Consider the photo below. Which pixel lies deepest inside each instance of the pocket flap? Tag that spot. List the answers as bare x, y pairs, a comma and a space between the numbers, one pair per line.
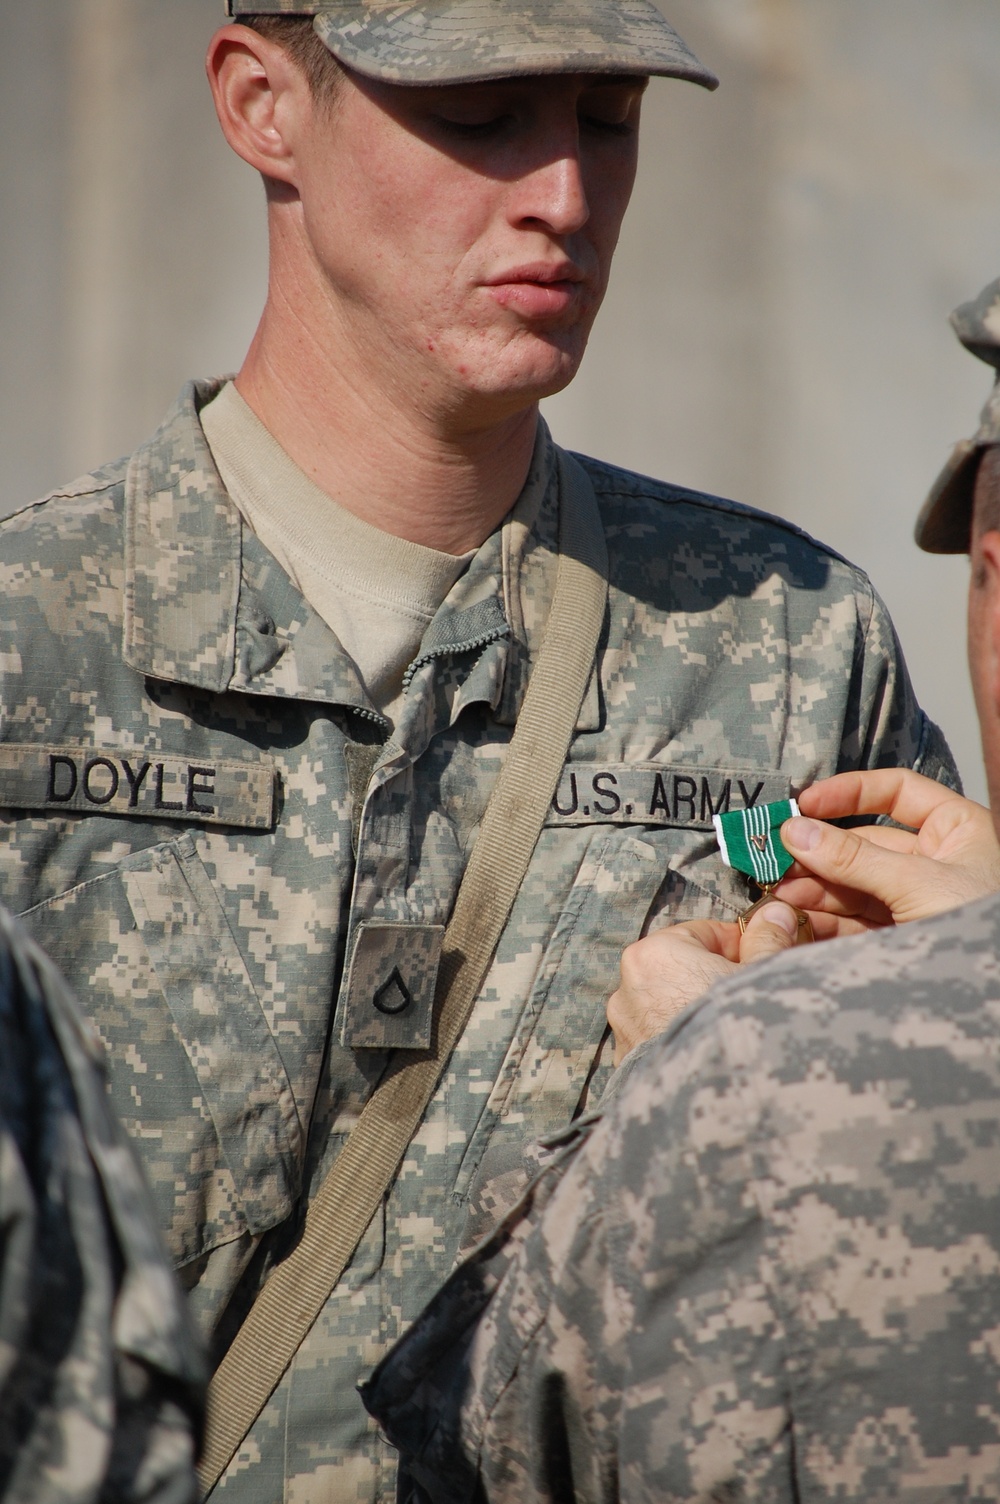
219, 1018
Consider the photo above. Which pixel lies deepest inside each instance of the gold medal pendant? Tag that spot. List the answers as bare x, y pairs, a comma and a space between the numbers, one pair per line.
804, 933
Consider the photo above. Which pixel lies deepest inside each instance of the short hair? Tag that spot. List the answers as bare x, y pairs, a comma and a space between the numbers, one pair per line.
297, 36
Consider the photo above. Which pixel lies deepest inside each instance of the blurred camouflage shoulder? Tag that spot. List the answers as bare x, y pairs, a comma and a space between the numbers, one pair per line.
101, 1379
769, 1273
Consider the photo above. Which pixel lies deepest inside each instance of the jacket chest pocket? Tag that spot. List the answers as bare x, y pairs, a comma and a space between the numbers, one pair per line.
196, 1076
630, 879
558, 1055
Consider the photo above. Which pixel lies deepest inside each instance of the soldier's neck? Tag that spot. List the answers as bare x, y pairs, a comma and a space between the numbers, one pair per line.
367, 445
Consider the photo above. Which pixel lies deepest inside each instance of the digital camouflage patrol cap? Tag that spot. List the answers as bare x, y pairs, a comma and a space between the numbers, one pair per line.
945, 522
464, 41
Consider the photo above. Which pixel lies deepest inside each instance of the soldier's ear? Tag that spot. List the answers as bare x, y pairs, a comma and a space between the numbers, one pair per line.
261, 98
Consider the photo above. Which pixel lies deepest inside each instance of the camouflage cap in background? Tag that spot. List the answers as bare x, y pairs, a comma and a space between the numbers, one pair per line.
945, 520
464, 41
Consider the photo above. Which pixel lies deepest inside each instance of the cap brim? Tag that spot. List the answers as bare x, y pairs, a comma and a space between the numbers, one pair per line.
465, 41
945, 522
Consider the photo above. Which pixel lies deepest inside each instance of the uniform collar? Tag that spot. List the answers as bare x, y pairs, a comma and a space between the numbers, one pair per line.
206, 604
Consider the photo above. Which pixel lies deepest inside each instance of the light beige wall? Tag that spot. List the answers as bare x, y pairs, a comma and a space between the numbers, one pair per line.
776, 330
131, 241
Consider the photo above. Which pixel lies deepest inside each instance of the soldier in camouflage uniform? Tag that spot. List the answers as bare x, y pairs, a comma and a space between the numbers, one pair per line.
240, 853
100, 1377
772, 1271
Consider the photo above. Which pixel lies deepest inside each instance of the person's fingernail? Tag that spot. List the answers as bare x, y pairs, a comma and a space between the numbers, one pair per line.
802, 834
781, 915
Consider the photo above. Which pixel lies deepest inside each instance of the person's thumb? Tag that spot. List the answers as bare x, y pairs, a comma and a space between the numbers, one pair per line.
840, 857
771, 930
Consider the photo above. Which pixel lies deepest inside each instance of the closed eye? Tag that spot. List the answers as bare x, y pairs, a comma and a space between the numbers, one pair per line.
608, 127
473, 130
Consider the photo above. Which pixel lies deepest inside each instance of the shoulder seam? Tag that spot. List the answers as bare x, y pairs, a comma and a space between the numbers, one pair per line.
64, 493
666, 492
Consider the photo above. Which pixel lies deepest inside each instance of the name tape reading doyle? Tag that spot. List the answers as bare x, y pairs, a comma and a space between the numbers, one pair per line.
144, 785
650, 793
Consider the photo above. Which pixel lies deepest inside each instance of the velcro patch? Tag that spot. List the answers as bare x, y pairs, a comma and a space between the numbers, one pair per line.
144, 785
656, 793
388, 1002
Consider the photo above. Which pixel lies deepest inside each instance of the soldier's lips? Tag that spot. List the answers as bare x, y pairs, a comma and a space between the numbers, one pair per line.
538, 292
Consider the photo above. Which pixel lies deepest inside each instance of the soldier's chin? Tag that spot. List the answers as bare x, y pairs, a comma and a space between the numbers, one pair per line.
544, 364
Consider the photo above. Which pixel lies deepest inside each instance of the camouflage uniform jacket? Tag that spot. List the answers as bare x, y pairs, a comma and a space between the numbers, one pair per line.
209, 832
771, 1273
101, 1380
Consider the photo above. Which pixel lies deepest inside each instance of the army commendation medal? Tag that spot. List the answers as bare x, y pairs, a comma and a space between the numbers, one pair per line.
750, 842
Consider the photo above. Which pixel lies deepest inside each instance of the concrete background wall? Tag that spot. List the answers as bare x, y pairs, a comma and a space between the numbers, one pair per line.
776, 330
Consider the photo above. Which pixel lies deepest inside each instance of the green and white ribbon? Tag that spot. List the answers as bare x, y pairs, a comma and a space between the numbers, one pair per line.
749, 840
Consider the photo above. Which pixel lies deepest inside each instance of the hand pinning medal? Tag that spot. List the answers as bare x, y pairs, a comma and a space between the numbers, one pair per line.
750, 842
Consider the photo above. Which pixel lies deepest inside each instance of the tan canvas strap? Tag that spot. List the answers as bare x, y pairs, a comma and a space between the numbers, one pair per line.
352, 1192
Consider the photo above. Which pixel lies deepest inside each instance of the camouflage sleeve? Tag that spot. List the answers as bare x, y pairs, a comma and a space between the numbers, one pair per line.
885, 726
100, 1377
770, 1273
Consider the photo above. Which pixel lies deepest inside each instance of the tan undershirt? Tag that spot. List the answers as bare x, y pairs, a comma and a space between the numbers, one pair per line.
376, 592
